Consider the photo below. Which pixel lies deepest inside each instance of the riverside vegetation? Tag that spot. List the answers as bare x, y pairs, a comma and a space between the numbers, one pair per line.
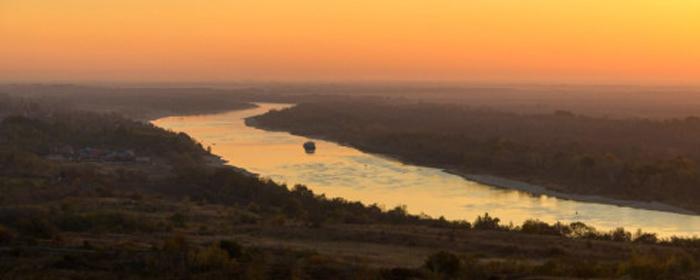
177, 215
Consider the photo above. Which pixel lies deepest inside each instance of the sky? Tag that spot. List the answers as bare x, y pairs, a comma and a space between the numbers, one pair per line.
619, 41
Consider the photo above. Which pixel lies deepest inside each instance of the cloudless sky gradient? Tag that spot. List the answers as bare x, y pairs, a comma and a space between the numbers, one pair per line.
475, 40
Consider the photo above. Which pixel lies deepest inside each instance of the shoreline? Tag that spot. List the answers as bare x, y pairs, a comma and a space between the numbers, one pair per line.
150, 116
216, 161
536, 190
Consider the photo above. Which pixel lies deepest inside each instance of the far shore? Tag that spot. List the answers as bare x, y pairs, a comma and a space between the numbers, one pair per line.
536, 190
152, 115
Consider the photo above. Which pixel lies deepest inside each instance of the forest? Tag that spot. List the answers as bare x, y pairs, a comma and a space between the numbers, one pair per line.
135, 103
634, 159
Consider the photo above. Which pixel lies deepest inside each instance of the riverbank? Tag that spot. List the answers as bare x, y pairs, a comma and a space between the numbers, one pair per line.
217, 161
536, 190
152, 115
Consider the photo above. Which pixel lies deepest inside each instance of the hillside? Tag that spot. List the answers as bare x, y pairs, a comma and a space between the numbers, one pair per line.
88, 195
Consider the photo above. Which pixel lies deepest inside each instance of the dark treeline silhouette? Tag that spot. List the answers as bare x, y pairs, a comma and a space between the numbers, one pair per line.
651, 160
139, 103
146, 101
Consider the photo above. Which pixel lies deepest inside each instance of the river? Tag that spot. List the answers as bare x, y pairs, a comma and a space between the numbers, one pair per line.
341, 171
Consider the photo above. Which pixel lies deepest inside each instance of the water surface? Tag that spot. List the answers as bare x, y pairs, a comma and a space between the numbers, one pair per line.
340, 171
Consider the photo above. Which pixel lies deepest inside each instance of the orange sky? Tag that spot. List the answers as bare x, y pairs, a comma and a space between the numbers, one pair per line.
475, 40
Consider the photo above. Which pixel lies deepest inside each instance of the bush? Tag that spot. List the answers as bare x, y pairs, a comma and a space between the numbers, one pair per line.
233, 249
620, 235
401, 274
36, 227
29, 222
76, 223
178, 220
443, 263
212, 258
176, 245
104, 221
650, 266
539, 227
581, 230
6, 236
692, 242
645, 237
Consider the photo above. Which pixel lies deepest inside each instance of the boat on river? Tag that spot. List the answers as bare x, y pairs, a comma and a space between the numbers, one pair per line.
310, 147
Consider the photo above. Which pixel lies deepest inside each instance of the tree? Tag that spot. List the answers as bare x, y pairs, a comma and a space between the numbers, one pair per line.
486, 222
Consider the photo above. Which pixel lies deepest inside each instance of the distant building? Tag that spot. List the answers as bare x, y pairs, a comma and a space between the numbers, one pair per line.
94, 154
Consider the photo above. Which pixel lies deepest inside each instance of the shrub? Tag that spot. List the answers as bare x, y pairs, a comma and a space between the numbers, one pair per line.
620, 235
233, 249
581, 230
176, 244
645, 237
104, 221
212, 258
28, 222
443, 263
322, 267
178, 220
401, 273
539, 227
6, 236
36, 227
72, 222
245, 217
651, 266
692, 242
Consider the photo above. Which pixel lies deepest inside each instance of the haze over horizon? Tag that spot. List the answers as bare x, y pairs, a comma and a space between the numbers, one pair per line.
631, 42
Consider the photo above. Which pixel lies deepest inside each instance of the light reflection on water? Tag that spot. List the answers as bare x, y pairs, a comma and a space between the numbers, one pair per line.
340, 171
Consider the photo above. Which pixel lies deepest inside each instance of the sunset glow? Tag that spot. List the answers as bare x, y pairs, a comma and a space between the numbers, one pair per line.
482, 40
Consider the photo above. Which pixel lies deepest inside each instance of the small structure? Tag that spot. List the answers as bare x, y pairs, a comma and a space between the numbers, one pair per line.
310, 147
119, 155
94, 154
62, 153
